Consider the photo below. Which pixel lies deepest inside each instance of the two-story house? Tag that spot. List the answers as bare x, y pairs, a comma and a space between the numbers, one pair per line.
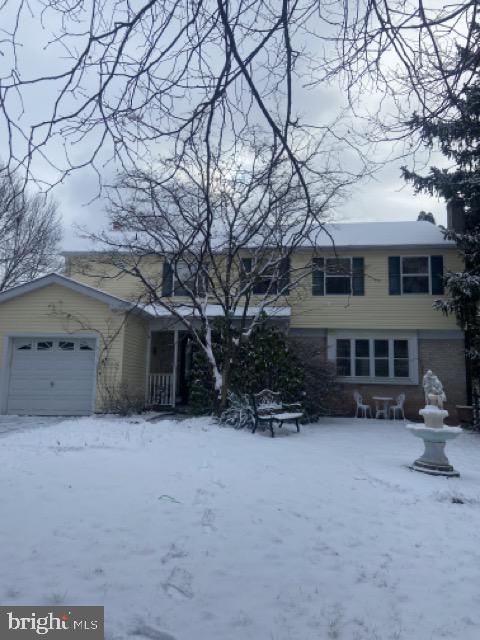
67, 341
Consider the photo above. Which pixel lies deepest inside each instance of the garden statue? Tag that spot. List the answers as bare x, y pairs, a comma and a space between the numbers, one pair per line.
434, 433
433, 389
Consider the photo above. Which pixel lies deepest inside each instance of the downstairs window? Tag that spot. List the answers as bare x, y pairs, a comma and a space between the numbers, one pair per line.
372, 359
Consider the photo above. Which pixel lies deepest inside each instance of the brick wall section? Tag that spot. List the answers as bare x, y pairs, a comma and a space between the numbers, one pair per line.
444, 357
413, 401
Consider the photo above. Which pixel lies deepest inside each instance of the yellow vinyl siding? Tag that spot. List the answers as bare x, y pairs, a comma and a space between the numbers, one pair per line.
376, 309
56, 309
98, 273
135, 355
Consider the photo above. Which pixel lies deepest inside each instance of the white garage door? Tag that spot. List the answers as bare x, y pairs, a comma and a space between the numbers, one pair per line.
51, 376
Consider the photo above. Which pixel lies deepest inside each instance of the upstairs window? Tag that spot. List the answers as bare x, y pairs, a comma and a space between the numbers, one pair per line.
338, 276
182, 278
271, 280
415, 275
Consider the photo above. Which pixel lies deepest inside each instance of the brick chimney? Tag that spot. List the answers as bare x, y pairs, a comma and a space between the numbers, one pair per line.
455, 216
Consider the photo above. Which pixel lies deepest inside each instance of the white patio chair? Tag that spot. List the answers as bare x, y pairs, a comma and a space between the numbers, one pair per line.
398, 407
363, 409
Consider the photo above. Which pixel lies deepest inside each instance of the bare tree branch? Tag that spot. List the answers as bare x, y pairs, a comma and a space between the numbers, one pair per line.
29, 234
226, 228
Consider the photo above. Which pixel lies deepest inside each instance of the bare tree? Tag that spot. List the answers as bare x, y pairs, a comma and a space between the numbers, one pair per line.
226, 227
409, 49
115, 80
29, 234
130, 76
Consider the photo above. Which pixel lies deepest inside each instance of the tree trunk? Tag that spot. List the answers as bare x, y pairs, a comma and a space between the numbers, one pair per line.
228, 351
226, 378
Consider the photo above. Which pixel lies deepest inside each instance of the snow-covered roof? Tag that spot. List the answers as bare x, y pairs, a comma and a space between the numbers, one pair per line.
408, 233
215, 311
381, 234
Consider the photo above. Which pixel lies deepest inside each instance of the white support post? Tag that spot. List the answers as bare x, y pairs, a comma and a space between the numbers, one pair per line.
175, 367
147, 372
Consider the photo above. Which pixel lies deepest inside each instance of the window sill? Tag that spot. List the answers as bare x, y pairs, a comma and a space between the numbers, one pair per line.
369, 380
332, 295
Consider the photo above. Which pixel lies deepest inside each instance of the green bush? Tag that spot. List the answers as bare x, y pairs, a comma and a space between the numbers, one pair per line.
264, 361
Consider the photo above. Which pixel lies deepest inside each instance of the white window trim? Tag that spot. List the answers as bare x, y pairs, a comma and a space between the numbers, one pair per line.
428, 274
270, 273
326, 276
271, 276
181, 282
412, 339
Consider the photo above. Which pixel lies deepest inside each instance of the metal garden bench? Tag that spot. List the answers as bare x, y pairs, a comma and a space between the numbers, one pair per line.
269, 410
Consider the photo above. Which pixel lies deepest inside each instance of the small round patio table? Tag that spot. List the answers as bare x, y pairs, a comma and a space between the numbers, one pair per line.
379, 410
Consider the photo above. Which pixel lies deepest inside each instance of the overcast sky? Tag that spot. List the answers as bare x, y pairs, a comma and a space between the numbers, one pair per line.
385, 197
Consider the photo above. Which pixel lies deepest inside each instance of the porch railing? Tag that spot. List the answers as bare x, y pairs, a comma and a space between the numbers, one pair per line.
160, 389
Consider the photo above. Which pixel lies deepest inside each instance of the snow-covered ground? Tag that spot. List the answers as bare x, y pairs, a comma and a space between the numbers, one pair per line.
187, 530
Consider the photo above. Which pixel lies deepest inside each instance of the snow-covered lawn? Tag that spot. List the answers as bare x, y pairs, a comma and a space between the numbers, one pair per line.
190, 531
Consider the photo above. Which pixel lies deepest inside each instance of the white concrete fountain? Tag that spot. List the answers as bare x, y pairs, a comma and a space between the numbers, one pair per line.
434, 433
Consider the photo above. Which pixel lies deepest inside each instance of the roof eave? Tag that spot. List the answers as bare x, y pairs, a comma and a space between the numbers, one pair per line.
378, 247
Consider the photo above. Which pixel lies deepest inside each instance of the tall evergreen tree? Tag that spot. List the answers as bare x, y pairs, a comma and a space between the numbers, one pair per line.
459, 140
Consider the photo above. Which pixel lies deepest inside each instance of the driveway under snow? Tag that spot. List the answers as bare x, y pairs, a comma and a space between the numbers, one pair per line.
12, 424
190, 531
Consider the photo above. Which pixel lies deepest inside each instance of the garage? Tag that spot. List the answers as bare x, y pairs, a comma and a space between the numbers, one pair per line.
51, 376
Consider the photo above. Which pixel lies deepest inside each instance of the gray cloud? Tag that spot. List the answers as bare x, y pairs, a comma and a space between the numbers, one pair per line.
384, 198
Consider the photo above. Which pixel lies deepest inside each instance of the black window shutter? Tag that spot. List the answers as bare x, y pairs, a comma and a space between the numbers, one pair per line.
167, 279
246, 265
394, 284
436, 270
284, 276
318, 277
358, 276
